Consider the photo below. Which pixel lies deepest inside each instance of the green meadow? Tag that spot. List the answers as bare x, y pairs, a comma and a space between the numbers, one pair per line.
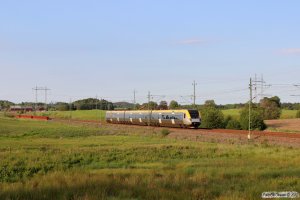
51, 160
76, 114
285, 114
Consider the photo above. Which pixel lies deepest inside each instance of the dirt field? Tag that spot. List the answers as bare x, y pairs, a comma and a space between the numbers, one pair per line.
239, 137
284, 124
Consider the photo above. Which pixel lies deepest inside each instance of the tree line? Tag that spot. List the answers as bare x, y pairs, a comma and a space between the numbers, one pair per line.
84, 104
268, 108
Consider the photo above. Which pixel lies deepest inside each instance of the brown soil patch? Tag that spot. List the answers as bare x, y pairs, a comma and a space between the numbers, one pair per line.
284, 124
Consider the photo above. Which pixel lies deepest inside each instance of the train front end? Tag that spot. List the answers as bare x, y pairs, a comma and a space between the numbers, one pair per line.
195, 119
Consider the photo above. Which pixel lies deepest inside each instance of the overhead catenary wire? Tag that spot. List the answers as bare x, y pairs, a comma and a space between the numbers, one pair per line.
239, 94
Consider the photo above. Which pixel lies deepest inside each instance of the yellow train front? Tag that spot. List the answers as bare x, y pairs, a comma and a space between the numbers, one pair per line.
166, 118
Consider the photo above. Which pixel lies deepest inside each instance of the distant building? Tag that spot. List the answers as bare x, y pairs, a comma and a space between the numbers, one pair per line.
21, 108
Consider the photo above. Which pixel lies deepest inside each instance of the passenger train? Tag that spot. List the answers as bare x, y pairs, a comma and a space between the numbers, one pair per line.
167, 118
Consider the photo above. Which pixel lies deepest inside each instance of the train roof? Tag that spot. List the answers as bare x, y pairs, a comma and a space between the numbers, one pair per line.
155, 111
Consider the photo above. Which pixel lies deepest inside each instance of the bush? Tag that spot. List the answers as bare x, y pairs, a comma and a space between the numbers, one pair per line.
227, 119
212, 117
10, 115
298, 114
165, 132
257, 119
233, 124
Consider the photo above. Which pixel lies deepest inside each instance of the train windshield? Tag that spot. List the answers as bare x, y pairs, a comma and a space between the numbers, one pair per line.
194, 114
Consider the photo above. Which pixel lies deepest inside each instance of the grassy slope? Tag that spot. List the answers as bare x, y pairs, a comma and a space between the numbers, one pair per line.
42, 160
288, 114
235, 113
77, 114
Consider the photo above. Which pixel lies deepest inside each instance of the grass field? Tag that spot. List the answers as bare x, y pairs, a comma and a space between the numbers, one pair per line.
286, 114
76, 114
50, 160
235, 113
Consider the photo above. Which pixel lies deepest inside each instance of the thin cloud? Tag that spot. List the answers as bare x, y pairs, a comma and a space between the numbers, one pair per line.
191, 41
290, 51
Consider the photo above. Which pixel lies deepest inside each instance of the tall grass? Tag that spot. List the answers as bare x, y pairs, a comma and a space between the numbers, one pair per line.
46, 160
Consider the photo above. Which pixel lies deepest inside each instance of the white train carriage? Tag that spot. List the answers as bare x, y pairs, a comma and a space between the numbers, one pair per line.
167, 118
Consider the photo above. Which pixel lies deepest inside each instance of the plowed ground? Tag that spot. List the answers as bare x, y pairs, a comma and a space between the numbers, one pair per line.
284, 124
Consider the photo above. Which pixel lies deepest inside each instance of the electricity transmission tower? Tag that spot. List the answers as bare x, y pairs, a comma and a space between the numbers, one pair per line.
194, 95
134, 101
250, 106
36, 89
259, 83
149, 97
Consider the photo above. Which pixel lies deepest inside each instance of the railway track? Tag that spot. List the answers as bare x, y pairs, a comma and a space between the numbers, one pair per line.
254, 134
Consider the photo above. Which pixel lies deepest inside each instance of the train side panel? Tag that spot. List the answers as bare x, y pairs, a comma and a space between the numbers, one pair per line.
166, 118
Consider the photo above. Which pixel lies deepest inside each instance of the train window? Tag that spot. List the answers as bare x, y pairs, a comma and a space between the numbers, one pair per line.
194, 114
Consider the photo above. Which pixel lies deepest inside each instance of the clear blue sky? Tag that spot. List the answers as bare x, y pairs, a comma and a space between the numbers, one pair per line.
108, 48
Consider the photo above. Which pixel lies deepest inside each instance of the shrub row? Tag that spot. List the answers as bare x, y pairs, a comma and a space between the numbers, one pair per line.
212, 117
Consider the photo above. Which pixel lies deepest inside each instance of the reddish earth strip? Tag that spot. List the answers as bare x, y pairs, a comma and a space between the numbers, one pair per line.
32, 117
284, 124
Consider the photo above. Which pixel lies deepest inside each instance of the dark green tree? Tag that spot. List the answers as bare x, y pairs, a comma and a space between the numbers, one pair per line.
212, 117
163, 105
257, 118
5, 104
173, 105
61, 106
272, 107
210, 103
233, 124
92, 103
152, 106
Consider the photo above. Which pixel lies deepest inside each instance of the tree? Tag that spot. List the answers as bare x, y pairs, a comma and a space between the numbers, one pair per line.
61, 106
233, 124
92, 103
152, 106
276, 100
210, 103
257, 119
137, 106
5, 104
212, 117
271, 107
163, 105
173, 105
